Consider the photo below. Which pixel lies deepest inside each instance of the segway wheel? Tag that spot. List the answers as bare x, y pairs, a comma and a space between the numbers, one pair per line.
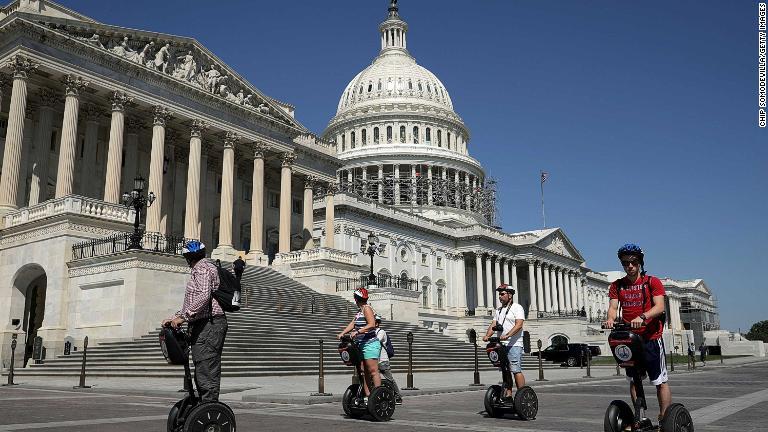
381, 403
526, 403
173, 417
492, 399
348, 402
618, 416
677, 419
210, 417
389, 385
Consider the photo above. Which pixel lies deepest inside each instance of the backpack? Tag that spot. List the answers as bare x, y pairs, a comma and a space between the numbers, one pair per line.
228, 293
646, 288
388, 347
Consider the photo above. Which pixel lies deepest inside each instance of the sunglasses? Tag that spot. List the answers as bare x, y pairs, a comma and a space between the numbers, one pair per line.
627, 263
501, 293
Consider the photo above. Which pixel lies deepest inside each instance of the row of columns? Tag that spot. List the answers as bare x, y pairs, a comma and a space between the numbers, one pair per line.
9, 181
557, 289
486, 278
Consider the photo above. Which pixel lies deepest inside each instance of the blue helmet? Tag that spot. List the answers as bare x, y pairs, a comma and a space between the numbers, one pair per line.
193, 247
631, 249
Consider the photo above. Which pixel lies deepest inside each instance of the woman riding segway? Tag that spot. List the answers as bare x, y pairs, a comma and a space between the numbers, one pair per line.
361, 332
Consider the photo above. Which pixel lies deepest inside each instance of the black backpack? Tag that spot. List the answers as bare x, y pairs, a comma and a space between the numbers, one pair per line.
228, 293
388, 347
662, 319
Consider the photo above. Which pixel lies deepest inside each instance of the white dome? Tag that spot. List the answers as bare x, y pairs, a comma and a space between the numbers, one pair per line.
394, 76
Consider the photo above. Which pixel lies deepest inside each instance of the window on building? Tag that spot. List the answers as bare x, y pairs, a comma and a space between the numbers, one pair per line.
274, 200
439, 297
448, 138
370, 87
364, 136
410, 85
425, 295
439, 138
402, 134
296, 206
428, 135
375, 135
378, 87
424, 259
343, 142
389, 134
415, 134
439, 262
352, 139
420, 87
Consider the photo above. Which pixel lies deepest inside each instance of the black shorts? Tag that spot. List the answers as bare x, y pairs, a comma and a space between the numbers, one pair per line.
655, 363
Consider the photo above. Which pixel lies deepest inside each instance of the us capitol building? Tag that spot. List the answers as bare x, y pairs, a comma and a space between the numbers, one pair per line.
88, 107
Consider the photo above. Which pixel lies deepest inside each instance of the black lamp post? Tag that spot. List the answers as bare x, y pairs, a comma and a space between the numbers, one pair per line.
373, 248
137, 199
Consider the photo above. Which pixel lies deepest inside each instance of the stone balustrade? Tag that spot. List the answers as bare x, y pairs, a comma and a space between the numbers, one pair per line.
322, 253
71, 204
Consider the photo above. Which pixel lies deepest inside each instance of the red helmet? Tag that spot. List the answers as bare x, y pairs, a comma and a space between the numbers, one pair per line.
361, 293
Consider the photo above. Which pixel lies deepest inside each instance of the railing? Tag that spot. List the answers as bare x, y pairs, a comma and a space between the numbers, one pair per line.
382, 281
317, 254
71, 204
562, 314
121, 242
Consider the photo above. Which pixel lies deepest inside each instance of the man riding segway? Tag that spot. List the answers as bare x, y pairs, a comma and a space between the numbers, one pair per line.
636, 341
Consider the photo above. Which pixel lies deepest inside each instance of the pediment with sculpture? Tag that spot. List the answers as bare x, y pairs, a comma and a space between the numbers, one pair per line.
558, 243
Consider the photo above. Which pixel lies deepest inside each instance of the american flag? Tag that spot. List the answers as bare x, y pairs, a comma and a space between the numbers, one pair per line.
544, 176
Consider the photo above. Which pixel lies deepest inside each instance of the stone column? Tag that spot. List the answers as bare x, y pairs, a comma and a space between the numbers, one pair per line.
115, 154
505, 271
457, 200
552, 288
180, 160
430, 198
468, 198
257, 203
574, 291
64, 175
513, 282
9, 181
227, 194
497, 272
397, 184
381, 183
545, 269
461, 284
541, 302
192, 216
88, 172
565, 277
329, 216
560, 289
309, 217
154, 213
284, 230
444, 179
204, 211
479, 280
489, 283
38, 189
132, 126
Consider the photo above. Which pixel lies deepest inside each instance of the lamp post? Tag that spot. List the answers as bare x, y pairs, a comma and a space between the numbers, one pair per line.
373, 248
138, 201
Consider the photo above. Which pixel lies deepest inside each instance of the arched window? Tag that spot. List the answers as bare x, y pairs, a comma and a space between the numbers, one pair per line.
420, 87
389, 134
410, 85
439, 138
364, 137
376, 135
428, 135
378, 87
449, 140
370, 87
439, 297
352, 139
390, 84
343, 142
402, 134
415, 134
399, 84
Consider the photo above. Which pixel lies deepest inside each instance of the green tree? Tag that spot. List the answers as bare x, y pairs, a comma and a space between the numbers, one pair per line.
759, 331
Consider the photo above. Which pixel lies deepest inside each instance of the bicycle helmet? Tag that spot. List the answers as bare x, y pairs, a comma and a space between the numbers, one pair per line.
631, 249
193, 250
361, 293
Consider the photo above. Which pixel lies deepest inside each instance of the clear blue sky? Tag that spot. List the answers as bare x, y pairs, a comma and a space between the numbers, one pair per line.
643, 113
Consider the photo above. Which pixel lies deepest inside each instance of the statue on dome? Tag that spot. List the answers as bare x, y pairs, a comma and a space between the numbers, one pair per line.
185, 67
143, 57
123, 50
162, 57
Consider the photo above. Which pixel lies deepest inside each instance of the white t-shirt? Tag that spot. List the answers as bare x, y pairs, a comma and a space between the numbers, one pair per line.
506, 316
382, 335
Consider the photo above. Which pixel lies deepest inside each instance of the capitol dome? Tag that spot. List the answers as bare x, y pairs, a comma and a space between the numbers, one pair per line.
401, 140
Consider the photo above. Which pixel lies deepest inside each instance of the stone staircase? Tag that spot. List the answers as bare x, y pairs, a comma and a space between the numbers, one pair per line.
276, 333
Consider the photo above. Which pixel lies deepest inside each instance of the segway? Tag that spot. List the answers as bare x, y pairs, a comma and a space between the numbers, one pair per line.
192, 414
628, 351
381, 402
525, 403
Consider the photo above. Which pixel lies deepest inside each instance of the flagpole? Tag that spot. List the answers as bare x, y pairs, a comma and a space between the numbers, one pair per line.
543, 215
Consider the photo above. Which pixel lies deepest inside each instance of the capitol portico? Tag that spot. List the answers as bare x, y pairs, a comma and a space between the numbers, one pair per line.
86, 108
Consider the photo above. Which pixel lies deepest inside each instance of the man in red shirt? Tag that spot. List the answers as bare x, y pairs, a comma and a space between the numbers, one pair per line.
642, 306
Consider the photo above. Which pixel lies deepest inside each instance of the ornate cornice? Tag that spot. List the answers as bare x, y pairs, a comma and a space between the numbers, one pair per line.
120, 100
259, 150
73, 84
310, 182
197, 128
21, 66
287, 159
161, 115
230, 140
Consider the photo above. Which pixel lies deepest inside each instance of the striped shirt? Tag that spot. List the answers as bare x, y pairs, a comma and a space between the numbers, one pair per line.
197, 296
361, 322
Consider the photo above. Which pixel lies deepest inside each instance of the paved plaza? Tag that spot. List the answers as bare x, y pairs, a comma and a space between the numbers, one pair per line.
732, 397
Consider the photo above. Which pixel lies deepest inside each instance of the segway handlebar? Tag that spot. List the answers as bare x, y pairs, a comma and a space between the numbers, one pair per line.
617, 326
